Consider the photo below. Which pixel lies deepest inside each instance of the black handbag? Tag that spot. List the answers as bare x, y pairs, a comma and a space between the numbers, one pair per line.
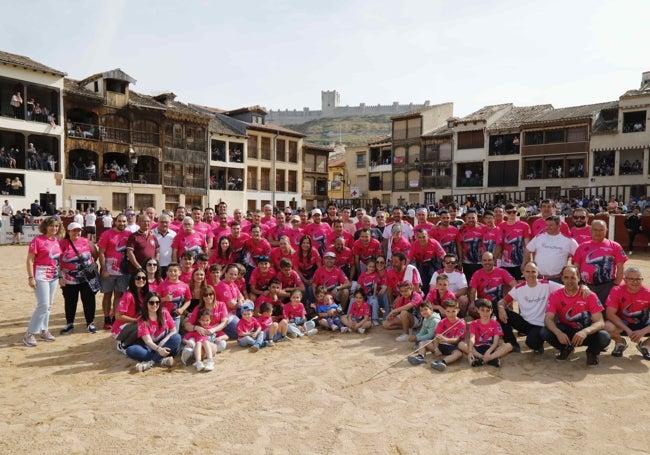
89, 272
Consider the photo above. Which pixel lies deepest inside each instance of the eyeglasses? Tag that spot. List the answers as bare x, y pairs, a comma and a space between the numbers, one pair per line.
633, 279
579, 217
152, 264
154, 302
510, 212
140, 278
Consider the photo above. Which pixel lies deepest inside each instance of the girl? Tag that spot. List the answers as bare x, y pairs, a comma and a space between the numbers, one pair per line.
370, 283
125, 327
223, 253
197, 288
358, 317
305, 261
219, 321
42, 275
227, 291
294, 312
382, 288
284, 250
201, 343
158, 338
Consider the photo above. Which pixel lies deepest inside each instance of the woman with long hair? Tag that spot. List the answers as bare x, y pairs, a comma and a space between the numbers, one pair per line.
284, 250
197, 288
223, 253
125, 327
227, 291
77, 252
152, 269
305, 261
158, 339
42, 275
218, 323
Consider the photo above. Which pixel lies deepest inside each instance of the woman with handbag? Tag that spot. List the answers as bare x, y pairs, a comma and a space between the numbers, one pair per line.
78, 277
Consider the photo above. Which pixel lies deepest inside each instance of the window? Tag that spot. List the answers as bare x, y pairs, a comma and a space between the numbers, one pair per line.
631, 162
504, 144
252, 147
119, 201
503, 173
293, 181
177, 139
399, 130
552, 136
279, 180
293, 152
114, 128
173, 174
399, 182
309, 164
142, 201
251, 178
280, 150
265, 179
470, 139
470, 174
576, 134
12, 184
308, 186
634, 122
375, 183
361, 160
266, 148
195, 176
414, 128
603, 163
218, 150
193, 200
146, 132
321, 163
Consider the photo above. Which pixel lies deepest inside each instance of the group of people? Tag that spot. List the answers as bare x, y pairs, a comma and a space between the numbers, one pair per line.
185, 282
34, 111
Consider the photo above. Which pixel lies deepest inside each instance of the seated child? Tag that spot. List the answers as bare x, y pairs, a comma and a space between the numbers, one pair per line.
201, 342
294, 313
249, 330
424, 338
329, 313
406, 314
485, 338
375, 288
358, 317
450, 336
273, 331
440, 293
271, 296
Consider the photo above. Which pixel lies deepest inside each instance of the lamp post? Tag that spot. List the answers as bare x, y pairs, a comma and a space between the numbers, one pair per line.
133, 161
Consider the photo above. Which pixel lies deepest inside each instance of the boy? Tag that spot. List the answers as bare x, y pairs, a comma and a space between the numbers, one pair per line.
294, 313
450, 334
271, 297
406, 314
440, 293
485, 334
426, 334
249, 330
273, 331
329, 313
175, 294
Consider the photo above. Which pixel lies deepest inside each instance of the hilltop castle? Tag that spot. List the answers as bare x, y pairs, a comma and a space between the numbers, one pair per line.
331, 107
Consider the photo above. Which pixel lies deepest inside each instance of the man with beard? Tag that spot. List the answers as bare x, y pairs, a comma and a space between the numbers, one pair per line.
114, 282
426, 255
201, 227
188, 240
516, 235
177, 224
580, 231
572, 320
470, 244
401, 271
491, 283
446, 234
539, 225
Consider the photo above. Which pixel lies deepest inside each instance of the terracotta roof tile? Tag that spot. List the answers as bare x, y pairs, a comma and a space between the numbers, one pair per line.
517, 116
572, 112
483, 113
26, 62
72, 87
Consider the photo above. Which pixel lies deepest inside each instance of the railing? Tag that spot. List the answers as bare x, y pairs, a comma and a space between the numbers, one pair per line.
436, 181
146, 138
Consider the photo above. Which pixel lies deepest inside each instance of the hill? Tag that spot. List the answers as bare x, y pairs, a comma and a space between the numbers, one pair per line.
347, 130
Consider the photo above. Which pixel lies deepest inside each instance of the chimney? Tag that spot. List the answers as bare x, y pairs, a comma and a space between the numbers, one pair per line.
645, 78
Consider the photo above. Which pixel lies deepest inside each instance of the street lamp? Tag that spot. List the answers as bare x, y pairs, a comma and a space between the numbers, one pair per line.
133, 161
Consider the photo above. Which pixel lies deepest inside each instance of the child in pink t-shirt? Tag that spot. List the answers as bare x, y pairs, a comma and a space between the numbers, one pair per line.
440, 293
273, 331
201, 342
294, 312
358, 317
249, 330
486, 338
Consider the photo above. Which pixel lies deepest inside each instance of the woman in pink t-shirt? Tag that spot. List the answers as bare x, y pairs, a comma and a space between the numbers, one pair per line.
42, 275
228, 292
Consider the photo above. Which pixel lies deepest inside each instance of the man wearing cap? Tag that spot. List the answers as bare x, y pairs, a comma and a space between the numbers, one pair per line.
141, 245
334, 280
318, 231
344, 257
295, 233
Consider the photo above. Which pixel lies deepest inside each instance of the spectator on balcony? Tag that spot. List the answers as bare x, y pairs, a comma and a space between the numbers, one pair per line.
638, 126
51, 119
11, 158
16, 186
37, 112
51, 162
30, 109
124, 173
16, 102
515, 145
91, 170
89, 133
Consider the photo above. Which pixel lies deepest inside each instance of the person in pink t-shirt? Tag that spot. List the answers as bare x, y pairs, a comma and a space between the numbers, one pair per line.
406, 314
485, 338
273, 331
450, 335
358, 317
249, 330
43, 275
201, 343
440, 293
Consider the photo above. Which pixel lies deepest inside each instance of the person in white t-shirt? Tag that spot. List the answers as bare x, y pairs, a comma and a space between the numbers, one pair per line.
457, 280
531, 296
551, 250
107, 220
91, 220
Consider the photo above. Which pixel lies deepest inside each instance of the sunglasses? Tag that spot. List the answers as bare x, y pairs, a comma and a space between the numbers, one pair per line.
140, 278
579, 217
450, 262
152, 264
380, 262
511, 211
154, 302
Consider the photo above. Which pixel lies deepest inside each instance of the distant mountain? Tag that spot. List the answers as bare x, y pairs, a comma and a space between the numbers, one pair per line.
347, 130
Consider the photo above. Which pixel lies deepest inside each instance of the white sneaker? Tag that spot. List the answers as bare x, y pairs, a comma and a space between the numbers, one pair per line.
311, 332
375, 323
144, 366
221, 345
361, 330
167, 362
209, 365
402, 337
186, 355
334, 327
345, 330
199, 365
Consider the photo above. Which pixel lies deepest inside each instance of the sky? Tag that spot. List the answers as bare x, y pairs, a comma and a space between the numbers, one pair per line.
280, 54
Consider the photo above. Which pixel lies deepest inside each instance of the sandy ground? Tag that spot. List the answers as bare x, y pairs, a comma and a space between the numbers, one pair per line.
79, 395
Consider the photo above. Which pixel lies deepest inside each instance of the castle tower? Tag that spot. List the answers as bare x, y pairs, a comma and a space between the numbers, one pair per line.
330, 100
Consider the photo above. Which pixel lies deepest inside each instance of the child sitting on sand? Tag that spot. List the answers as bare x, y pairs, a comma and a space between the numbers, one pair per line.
201, 343
358, 317
249, 330
424, 338
450, 334
440, 293
273, 331
329, 313
485, 338
294, 312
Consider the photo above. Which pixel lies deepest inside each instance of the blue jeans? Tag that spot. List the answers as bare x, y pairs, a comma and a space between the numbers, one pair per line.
40, 320
250, 341
595, 342
379, 301
144, 353
231, 328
